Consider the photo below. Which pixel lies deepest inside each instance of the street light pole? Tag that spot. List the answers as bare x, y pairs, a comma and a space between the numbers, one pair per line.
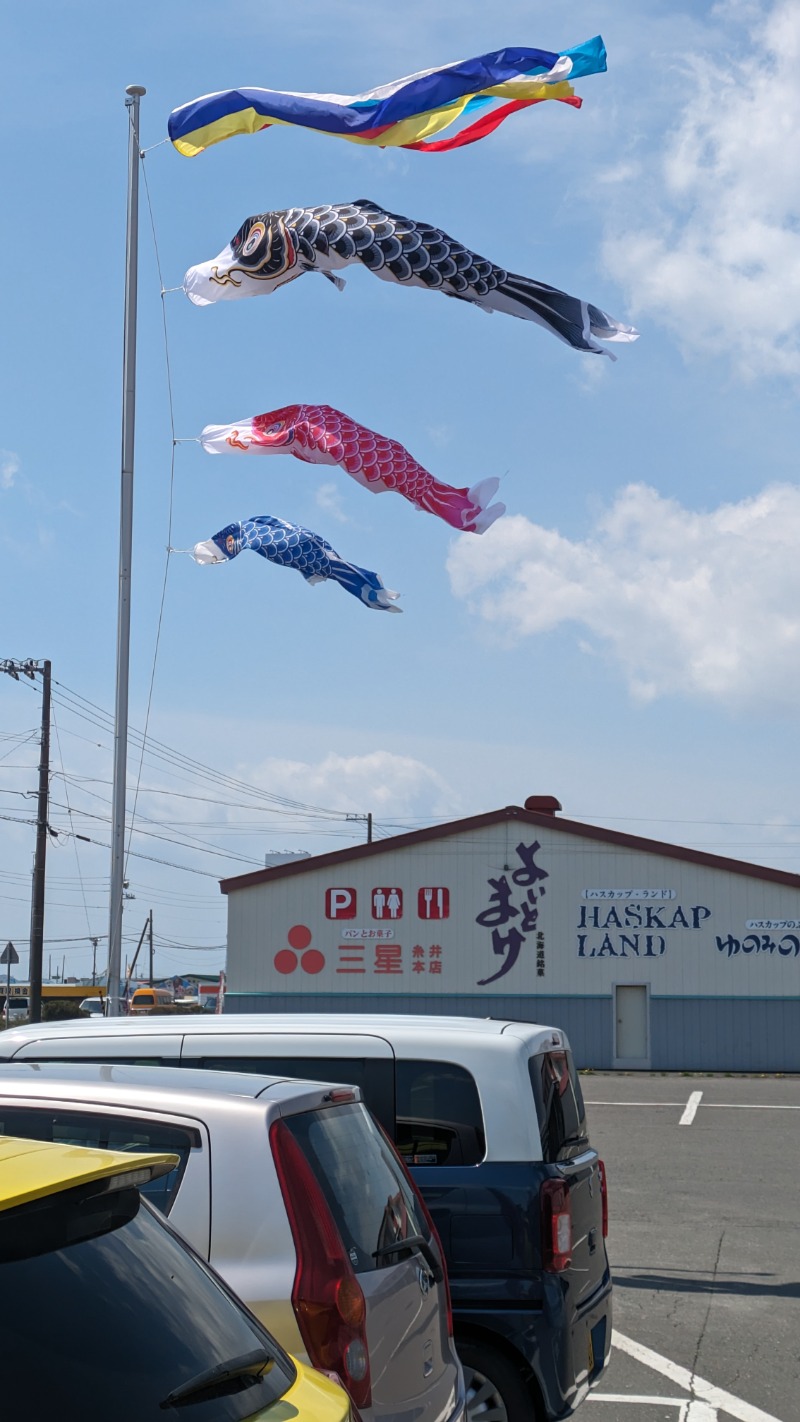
134, 92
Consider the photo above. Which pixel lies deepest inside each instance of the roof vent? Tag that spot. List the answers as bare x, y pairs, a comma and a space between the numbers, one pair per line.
542, 804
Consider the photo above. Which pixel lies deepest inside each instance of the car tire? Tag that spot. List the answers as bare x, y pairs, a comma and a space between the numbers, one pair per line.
495, 1391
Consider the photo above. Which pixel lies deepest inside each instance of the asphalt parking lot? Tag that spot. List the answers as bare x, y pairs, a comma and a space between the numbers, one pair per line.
704, 1241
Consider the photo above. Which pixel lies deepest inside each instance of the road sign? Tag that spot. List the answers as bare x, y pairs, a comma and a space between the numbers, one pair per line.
9, 954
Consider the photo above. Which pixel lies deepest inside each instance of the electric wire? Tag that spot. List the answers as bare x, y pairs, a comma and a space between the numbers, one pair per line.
69, 812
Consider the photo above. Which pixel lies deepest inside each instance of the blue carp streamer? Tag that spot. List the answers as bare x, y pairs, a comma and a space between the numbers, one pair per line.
291, 546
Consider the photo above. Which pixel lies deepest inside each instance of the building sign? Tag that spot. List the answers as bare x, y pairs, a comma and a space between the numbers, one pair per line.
507, 904
427, 962
433, 903
628, 894
774, 925
340, 903
788, 946
387, 903
351, 934
376, 959
299, 953
635, 930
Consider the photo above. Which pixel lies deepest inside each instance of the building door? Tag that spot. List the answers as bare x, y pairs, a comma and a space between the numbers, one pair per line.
631, 1026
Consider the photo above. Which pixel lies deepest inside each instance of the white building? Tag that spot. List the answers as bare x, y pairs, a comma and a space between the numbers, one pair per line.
648, 954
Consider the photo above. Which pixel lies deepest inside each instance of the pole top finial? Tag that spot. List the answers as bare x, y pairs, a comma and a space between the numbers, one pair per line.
136, 90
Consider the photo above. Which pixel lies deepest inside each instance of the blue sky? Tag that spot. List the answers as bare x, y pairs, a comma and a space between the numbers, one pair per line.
626, 638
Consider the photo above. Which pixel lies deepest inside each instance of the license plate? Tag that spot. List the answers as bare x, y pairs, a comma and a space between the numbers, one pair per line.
591, 1353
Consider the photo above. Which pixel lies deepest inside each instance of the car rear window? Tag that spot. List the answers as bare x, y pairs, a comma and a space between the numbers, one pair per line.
374, 1075
559, 1105
439, 1117
94, 1128
124, 1312
368, 1195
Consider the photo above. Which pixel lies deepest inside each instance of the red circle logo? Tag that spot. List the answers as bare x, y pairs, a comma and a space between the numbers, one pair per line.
311, 960
285, 961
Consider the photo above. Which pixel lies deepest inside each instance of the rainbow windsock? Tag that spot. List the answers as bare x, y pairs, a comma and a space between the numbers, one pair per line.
404, 114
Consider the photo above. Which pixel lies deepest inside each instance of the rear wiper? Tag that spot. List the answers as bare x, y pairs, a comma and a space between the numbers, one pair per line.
573, 1141
233, 1376
413, 1241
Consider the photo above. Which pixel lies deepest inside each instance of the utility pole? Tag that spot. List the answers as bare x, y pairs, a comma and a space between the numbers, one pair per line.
30, 669
94, 962
364, 820
150, 923
37, 905
130, 967
134, 92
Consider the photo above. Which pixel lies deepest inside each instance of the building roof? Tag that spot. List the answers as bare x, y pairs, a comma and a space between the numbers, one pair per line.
542, 817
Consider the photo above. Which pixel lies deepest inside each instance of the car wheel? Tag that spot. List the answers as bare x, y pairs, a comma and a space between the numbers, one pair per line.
495, 1390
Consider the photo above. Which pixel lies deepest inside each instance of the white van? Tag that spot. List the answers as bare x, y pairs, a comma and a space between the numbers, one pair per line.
490, 1119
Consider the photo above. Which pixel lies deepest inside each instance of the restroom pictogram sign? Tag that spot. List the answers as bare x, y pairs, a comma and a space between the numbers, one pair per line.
387, 903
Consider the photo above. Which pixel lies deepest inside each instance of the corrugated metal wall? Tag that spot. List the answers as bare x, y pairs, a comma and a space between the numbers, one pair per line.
725, 1034
687, 1034
587, 1021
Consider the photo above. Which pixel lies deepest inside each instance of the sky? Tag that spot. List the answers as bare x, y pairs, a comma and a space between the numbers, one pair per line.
626, 638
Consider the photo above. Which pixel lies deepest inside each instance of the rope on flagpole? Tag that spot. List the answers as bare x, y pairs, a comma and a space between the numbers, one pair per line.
173, 445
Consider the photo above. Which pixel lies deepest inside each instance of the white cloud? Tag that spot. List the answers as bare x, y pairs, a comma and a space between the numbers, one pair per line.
328, 497
703, 604
10, 465
379, 781
714, 248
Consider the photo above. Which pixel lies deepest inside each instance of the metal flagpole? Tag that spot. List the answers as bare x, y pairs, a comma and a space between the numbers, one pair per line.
134, 92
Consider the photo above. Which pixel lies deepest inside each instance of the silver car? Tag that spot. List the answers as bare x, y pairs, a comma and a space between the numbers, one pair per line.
295, 1196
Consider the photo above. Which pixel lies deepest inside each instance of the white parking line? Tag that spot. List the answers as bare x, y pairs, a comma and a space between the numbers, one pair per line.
709, 1106
690, 1409
587, 1102
690, 1110
715, 1398
695, 1411
748, 1106
637, 1398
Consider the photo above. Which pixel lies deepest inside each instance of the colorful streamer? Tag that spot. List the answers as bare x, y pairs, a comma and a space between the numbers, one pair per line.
402, 114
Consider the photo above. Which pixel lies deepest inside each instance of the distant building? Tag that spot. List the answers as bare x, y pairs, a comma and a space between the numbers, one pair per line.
649, 955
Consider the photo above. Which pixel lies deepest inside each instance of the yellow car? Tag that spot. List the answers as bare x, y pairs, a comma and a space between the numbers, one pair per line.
106, 1314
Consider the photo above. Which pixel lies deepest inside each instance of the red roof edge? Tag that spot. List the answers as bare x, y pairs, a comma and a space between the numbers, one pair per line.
528, 817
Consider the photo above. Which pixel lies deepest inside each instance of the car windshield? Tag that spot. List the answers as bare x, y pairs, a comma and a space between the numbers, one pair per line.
126, 1317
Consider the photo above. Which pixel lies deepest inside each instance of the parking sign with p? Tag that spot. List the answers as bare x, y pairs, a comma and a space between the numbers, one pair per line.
340, 903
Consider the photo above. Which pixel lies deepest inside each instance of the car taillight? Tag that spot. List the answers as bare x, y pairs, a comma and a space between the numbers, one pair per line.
556, 1226
326, 1295
604, 1195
